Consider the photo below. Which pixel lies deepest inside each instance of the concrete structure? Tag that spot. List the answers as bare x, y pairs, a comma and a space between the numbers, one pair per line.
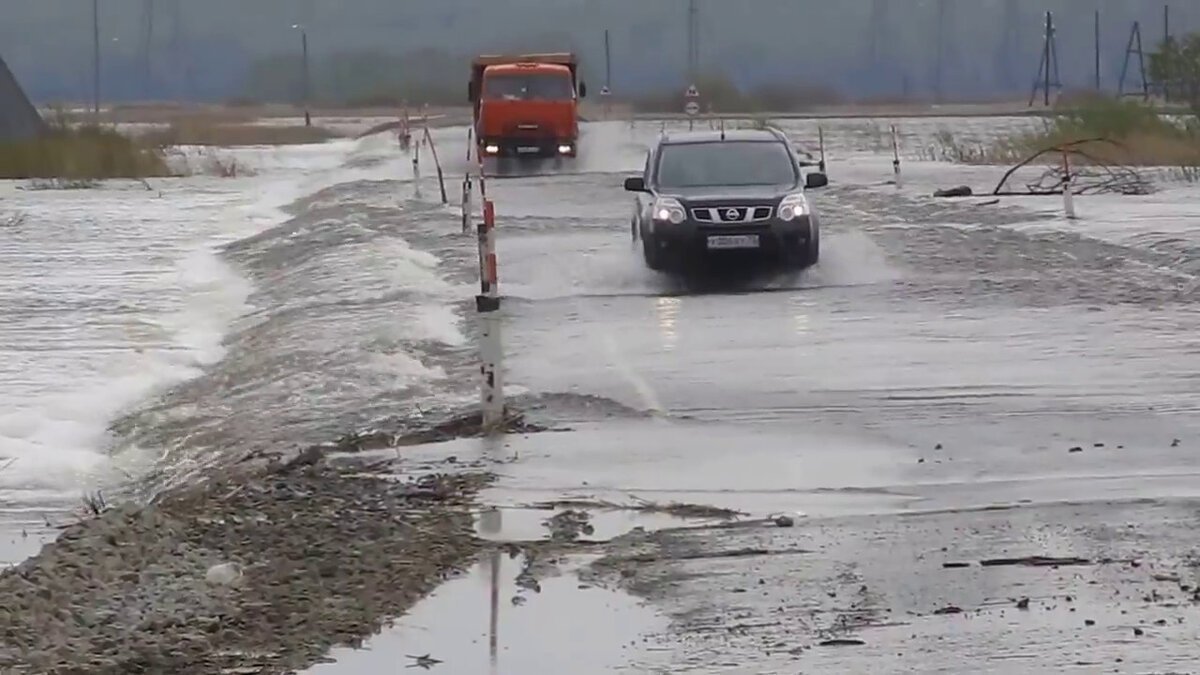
19, 120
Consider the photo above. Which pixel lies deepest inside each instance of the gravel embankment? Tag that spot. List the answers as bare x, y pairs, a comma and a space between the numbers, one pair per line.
260, 573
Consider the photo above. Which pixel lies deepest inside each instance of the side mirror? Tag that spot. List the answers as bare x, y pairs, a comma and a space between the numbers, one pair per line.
816, 179
635, 184
582, 89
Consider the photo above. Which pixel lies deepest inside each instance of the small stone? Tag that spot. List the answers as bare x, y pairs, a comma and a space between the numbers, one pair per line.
1089, 622
785, 521
1023, 603
1075, 449
1139, 632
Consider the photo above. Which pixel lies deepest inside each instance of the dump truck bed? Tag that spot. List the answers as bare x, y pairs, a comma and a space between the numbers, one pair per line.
479, 63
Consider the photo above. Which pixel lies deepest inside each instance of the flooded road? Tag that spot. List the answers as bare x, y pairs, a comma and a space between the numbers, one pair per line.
953, 381
954, 384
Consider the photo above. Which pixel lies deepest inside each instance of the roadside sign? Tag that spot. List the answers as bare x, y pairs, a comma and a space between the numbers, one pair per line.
604, 91
692, 92
692, 108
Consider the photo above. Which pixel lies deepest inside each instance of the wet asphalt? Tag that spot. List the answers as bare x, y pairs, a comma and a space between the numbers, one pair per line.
953, 383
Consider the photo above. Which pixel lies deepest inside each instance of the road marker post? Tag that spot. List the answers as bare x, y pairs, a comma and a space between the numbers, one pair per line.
467, 205
896, 158
821, 148
416, 168
487, 305
1068, 198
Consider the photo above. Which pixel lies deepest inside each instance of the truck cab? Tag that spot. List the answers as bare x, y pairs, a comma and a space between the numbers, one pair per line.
526, 105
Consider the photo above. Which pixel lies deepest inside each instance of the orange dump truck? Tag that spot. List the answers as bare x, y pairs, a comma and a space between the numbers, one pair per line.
526, 105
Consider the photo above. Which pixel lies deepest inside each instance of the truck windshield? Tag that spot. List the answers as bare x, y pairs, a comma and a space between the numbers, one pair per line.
521, 87
725, 163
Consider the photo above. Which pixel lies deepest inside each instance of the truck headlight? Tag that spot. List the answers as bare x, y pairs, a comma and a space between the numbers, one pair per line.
668, 210
793, 206
491, 149
564, 149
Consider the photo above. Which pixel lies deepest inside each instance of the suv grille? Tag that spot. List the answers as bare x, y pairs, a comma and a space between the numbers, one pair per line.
731, 214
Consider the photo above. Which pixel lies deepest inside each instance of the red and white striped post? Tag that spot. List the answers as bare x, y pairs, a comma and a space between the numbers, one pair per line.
896, 158
487, 304
1068, 198
405, 129
467, 206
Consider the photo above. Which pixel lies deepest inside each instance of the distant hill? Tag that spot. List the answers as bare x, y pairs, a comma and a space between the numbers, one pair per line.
205, 48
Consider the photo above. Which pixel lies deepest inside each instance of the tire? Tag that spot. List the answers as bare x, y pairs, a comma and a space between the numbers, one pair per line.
812, 251
651, 254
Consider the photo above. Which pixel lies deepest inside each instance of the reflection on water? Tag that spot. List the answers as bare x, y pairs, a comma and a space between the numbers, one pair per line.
535, 623
667, 309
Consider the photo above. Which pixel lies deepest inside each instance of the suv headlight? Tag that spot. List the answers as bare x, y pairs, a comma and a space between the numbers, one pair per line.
793, 206
669, 210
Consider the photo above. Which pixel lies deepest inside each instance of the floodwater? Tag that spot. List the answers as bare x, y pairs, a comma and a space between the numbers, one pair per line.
945, 356
486, 622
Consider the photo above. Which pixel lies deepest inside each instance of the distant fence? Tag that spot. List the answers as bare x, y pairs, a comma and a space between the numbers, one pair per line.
19, 120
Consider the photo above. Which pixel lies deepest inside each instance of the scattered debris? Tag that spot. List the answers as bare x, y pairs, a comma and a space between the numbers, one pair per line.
955, 565
569, 525
784, 521
1023, 603
424, 661
676, 509
949, 609
1089, 175
959, 191
1075, 449
1034, 561
841, 642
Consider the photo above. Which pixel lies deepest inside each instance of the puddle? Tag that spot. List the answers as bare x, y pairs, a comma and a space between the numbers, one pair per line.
517, 523
471, 625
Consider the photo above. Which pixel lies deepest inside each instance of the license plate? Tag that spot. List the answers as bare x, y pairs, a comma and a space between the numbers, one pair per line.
733, 241
528, 149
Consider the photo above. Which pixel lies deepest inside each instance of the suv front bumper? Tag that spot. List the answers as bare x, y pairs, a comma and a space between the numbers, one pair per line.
773, 237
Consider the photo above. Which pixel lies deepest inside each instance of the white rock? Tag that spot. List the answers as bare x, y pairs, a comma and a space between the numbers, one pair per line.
224, 574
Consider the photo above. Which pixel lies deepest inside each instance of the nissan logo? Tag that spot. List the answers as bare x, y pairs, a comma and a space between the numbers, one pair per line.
731, 214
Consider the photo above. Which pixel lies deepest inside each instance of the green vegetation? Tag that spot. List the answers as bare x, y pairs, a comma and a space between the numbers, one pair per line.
1134, 133
726, 96
226, 134
81, 153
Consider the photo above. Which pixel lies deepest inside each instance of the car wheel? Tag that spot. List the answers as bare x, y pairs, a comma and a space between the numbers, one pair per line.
812, 252
650, 252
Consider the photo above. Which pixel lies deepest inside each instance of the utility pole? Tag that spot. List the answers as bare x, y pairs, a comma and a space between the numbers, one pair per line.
1132, 48
607, 63
1166, 53
1047, 75
307, 87
939, 63
96, 60
693, 42
1097, 50
147, 45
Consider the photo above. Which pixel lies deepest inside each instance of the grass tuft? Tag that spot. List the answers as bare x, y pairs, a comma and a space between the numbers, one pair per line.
1140, 137
80, 154
215, 133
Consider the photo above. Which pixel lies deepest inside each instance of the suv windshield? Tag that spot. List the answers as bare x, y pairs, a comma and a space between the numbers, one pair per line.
519, 87
725, 163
